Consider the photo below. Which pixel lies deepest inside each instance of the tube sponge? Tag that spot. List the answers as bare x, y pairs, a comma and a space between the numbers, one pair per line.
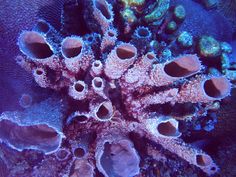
48, 31
97, 68
165, 127
142, 33
39, 49
78, 90
141, 38
98, 86
38, 127
25, 100
205, 89
40, 77
166, 134
102, 12
83, 169
102, 110
117, 158
62, 154
109, 39
180, 67
159, 98
138, 74
79, 117
76, 53
119, 60
42, 26
34, 45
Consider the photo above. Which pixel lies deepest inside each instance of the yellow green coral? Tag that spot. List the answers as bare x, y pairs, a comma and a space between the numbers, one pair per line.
159, 11
129, 3
128, 15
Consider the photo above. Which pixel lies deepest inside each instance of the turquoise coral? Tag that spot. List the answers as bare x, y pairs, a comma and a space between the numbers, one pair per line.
209, 47
171, 27
179, 13
185, 39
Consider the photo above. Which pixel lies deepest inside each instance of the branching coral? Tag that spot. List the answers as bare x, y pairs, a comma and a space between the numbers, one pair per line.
117, 93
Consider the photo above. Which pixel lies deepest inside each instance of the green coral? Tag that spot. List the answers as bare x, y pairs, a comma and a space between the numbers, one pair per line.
226, 47
128, 15
209, 47
159, 11
179, 13
225, 61
171, 26
213, 71
230, 74
130, 3
185, 39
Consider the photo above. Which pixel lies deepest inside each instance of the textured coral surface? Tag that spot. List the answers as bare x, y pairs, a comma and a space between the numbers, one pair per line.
118, 91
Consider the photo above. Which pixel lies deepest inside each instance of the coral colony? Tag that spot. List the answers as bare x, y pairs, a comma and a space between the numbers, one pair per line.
129, 73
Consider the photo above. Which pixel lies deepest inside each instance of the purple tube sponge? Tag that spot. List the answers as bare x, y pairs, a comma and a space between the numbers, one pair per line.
25, 100
83, 168
118, 159
141, 38
62, 154
34, 45
38, 127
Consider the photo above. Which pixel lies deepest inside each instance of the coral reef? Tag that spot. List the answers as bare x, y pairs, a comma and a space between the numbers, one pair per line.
132, 77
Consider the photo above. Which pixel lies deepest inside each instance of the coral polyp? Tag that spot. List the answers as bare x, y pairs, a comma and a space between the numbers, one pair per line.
115, 87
